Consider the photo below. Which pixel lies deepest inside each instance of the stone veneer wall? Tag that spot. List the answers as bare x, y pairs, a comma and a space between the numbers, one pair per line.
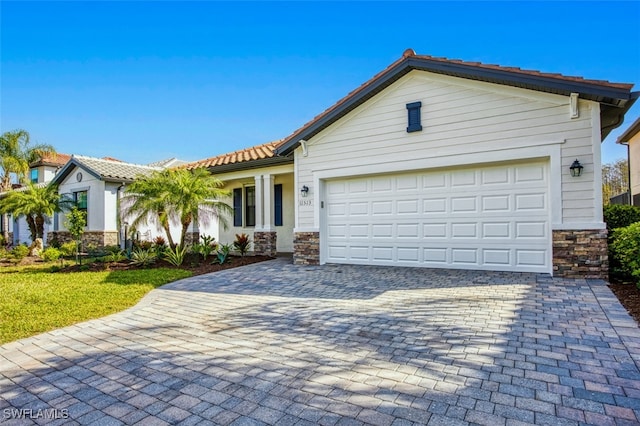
191, 238
96, 238
306, 248
580, 253
264, 243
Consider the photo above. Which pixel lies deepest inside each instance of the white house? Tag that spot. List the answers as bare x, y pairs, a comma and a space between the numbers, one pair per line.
440, 163
96, 185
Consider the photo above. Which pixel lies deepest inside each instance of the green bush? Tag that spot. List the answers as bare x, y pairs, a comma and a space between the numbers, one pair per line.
222, 253
4, 254
143, 257
175, 256
619, 216
20, 252
625, 247
68, 249
50, 254
118, 256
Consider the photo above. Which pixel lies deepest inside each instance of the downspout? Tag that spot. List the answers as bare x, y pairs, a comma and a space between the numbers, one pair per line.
629, 175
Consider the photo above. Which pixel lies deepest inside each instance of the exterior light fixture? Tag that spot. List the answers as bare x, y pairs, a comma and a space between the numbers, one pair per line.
576, 168
304, 190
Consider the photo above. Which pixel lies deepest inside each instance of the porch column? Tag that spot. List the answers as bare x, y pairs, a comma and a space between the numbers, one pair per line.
259, 204
268, 203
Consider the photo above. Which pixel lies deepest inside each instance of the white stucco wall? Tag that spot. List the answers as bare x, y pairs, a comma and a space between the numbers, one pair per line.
95, 198
464, 122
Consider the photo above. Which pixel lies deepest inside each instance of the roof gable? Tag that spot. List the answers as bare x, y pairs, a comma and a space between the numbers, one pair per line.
633, 130
616, 98
104, 169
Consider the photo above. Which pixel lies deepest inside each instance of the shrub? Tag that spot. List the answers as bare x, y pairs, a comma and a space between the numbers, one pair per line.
118, 256
176, 255
51, 254
112, 249
242, 243
159, 241
143, 257
625, 247
144, 245
222, 253
619, 216
68, 249
19, 252
4, 254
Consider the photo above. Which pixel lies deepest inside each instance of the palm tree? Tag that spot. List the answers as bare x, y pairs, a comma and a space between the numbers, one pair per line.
16, 153
197, 198
146, 201
37, 203
179, 195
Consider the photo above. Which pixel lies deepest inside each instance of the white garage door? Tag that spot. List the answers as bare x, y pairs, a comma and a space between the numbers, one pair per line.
492, 218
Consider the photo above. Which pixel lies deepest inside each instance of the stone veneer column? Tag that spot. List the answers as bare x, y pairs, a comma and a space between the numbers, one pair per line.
264, 243
306, 248
580, 253
99, 239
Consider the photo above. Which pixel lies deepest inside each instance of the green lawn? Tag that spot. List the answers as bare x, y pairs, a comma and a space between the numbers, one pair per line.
33, 300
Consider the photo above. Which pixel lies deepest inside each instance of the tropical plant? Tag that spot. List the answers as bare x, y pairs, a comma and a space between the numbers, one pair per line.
19, 252
75, 222
16, 153
37, 204
50, 254
115, 256
159, 241
206, 247
222, 253
242, 243
176, 195
175, 256
68, 249
143, 257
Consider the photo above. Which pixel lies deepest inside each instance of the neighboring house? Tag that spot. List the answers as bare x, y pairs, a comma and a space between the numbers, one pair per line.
96, 184
41, 172
631, 138
440, 163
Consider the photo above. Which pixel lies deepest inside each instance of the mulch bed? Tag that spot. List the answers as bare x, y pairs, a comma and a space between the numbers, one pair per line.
192, 263
629, 296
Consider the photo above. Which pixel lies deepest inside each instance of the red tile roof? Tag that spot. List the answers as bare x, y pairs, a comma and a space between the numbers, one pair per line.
57, 159
258, 152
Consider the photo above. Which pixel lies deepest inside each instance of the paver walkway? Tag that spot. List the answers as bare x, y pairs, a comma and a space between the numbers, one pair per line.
273, 343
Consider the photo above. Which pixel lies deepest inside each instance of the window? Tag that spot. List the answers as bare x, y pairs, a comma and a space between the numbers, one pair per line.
80, 200
277, 204
250, 206
34, 175
237, 207
414, 119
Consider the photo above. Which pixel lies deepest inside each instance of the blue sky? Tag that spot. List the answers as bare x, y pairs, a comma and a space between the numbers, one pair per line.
143, 81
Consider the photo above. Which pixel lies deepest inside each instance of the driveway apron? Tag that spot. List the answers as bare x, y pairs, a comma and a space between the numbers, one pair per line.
274, 343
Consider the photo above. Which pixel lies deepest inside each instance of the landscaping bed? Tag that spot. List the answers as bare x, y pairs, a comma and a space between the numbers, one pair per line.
629, 296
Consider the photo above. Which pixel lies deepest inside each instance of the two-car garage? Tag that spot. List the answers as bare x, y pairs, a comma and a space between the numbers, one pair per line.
493, 217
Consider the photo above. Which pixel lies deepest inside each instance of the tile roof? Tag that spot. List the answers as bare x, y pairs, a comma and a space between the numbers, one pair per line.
598, 90
259, 152
57, 159
113, 169
169, 162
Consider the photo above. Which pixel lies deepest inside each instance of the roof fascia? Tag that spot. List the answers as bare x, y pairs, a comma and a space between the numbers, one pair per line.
504, 77
247, 165
633, 130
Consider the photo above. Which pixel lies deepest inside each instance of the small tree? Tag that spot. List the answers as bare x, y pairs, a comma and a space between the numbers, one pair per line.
75, 223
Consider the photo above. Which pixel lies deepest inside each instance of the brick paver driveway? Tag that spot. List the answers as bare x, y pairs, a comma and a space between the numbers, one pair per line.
278, 344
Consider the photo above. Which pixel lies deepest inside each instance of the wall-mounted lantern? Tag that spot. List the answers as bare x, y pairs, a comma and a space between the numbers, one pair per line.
576, 168
304, 190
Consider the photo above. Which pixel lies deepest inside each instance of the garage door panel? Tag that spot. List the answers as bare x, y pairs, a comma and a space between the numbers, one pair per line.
487, 218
